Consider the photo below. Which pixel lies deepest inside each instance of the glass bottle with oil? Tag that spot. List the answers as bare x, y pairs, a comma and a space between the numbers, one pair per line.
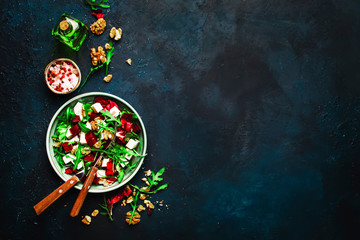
70, 31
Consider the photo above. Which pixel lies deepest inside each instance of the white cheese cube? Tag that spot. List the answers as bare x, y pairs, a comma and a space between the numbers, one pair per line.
78, 109
123, 164
96, 107
75, 147
132, 144
80, 165
82, 138
69, 158
88, 126
74, 139
114, 111
101, 173
128, 156
105, 162
68, 134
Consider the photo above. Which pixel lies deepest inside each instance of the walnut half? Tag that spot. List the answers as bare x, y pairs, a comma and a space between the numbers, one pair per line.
98, 27
134, 220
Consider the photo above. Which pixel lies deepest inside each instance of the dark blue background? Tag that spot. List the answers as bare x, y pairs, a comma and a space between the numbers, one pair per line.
252, 106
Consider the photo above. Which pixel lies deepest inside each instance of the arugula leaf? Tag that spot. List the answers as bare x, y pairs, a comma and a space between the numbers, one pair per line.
109, 54
153, 182
91, 71
109, 116
121, 175
83, 127
105, 207
133, 206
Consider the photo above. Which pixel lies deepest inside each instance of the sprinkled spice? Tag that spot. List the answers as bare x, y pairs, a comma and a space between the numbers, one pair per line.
63, 76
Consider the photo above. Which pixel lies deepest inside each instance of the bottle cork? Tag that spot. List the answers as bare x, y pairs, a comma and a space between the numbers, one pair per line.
64, 25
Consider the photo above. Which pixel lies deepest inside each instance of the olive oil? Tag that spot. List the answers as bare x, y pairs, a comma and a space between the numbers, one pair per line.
70, 31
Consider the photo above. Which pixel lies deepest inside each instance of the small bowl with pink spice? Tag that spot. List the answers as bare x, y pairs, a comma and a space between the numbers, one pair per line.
62, 76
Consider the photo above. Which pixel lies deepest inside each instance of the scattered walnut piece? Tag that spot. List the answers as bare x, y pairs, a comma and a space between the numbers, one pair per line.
129, 200
86, 220
135, 219
108, 78
147, 173
140, 208
149, 204
142, 196
115, 33
56, 144
128, 61
95, 213
146, 181
146, 189
108, 46
98, 27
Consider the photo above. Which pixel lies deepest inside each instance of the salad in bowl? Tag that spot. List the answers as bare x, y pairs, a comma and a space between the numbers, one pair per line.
92, 126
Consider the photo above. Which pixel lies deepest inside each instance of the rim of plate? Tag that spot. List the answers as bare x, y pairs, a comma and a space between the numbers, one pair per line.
54, 162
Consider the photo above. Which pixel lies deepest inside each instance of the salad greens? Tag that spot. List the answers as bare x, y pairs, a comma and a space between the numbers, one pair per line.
88, 130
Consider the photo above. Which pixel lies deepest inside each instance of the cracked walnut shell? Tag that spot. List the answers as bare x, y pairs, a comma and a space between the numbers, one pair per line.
98, 27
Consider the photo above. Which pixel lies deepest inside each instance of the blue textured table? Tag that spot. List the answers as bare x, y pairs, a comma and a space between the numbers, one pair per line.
252, 106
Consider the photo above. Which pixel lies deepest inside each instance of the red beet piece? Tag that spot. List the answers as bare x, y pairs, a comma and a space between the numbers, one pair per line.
90, 138
109, 169
76, 119
67, 147
89, 158
75, 130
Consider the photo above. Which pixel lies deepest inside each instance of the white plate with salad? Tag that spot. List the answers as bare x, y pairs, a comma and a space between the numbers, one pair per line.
94, 124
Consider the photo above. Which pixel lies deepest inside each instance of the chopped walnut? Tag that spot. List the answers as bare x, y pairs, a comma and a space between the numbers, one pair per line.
97, 144
147, 173
149, 204
56, 144
142, 196
93, 125
112, 32
128, 61
86, 220
115, 33
74, 149
85, 152
129, 200
135, 219
97, 56
140, 208
108, 78
98, 27
146, 189
107, 135
146, 181
95, 213
108, 46
103, 182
